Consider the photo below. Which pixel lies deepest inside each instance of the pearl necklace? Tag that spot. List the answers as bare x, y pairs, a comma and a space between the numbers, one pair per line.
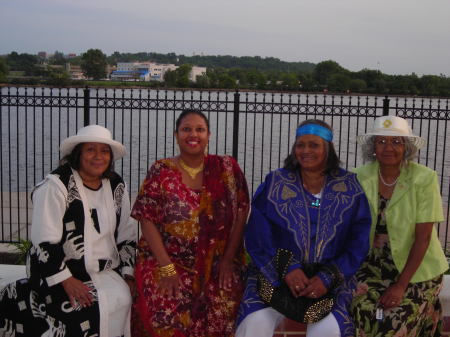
385, 183
192, 171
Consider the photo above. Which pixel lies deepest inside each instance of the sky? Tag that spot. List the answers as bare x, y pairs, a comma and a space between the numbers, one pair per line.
393, 36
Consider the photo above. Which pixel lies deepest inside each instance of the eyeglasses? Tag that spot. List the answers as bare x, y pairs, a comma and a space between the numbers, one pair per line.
396, 142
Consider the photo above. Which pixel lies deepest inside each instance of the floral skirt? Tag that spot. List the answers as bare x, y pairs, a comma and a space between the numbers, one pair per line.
418, 315
211, 313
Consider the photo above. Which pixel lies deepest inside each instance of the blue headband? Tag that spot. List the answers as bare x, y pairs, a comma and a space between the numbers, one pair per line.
314, 129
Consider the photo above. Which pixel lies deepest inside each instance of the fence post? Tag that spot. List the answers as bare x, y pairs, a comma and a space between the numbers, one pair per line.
386, 106
236, 124
86, 107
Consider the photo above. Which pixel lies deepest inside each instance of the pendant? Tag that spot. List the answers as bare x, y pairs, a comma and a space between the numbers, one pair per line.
191, 171
316, 203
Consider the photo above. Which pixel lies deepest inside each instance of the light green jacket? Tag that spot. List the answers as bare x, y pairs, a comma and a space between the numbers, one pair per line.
416, 199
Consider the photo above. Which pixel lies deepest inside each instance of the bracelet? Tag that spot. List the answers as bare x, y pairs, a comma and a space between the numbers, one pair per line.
167, 270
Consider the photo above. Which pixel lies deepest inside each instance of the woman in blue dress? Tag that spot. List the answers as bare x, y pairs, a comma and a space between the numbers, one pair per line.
317, 211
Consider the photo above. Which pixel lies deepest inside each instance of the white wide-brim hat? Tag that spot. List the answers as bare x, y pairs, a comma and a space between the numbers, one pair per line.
392, 126
92, 134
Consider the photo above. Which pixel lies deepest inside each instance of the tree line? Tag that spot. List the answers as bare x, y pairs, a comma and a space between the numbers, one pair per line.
230, 72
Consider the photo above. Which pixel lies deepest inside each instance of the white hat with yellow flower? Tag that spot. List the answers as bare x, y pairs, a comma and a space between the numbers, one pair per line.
392, 126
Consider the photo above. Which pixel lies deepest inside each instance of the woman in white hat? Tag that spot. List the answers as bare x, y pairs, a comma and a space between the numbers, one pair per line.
82, 256
399, 282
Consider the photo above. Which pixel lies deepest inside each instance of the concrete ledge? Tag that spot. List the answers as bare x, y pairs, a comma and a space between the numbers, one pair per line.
10, 273
444, 296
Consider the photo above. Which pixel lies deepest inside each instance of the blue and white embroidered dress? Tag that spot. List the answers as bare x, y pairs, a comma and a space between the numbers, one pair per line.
336, 233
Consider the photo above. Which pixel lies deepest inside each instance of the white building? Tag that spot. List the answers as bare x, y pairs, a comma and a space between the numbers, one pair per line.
149, 71
159, 70
196, 71
132, 71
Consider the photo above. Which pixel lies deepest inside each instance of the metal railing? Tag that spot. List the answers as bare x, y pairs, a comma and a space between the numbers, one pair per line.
257, 128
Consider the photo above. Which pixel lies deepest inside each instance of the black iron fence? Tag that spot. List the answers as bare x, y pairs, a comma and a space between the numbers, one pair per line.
257, 128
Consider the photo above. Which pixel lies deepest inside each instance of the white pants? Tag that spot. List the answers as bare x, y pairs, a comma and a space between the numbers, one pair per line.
262, 323
115, 304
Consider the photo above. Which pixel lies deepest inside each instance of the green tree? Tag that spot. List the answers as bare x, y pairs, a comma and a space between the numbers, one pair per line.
338, 82
179, 77
290, 81
257, 79
58, 76
202, 81
93, 64
430, 85
183, 72
3, 69
357, 85
380, 86
170, 78
373, 79
240, 75
57, 58
226, 81
22, 62
307, 82
324, 70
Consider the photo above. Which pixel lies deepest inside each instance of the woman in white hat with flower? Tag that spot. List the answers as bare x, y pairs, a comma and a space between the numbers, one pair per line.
399, 282
82, 258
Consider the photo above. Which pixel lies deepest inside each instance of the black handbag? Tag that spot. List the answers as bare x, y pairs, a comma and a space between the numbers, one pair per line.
301, 309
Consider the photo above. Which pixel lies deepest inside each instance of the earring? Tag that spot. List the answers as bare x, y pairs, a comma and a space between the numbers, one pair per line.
206, 150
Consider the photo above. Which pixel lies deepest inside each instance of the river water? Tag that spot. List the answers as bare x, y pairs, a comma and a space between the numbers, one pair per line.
144, 121
35, 120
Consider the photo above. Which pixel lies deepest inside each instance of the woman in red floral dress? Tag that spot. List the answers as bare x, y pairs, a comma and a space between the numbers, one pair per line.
190, 266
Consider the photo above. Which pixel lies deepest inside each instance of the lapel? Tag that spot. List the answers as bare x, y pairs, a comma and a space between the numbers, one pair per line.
402, 187
368, 179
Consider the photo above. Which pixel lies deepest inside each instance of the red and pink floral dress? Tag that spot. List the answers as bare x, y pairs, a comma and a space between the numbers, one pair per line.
194, 226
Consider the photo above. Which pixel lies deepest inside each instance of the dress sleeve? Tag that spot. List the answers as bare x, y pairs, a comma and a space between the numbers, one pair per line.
126, 237
49, 206
429, 202
148, 204
258, 236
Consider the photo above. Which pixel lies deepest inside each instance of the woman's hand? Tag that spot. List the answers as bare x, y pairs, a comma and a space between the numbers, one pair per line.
170, 286
392, 296
315, 288
296, 281
226, 274
78, 292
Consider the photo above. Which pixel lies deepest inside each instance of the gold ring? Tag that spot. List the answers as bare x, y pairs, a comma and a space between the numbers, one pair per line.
297, 287
312, 294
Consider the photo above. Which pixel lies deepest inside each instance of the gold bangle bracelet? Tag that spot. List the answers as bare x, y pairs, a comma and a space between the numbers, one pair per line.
167, 270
